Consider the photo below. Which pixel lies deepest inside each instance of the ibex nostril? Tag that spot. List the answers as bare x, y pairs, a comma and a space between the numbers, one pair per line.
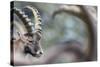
41, 52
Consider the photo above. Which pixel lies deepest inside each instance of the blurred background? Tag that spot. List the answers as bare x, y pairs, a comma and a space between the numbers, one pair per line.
66, 36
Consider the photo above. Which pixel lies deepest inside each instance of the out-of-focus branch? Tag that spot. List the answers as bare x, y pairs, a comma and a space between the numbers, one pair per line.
92, 25
85, 14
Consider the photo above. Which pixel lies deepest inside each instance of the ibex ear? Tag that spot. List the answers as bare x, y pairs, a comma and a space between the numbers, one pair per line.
19, 34
21, 37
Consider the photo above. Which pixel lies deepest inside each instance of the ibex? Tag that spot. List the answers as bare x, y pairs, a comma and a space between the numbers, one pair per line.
25, 39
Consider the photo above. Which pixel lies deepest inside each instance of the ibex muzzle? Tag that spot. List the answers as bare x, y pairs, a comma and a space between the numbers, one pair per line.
32, 47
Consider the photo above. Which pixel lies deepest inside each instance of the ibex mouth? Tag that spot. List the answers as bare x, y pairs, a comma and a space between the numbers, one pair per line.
35, 55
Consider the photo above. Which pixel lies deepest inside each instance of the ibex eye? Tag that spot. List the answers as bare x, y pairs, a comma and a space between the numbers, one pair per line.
30, 41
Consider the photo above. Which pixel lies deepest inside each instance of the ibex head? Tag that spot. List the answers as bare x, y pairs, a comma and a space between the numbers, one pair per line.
32, 47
